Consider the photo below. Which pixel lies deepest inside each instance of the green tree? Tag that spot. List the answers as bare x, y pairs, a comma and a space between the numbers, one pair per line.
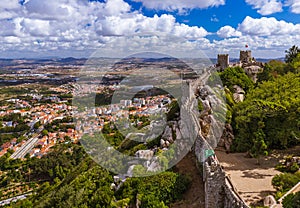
276, 105
174, 111
271, 70
45, 132
259, 147
291, 53
295, 64
37, 125
236, 76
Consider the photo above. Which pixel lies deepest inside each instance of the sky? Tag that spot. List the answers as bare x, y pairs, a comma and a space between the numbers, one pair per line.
119, 28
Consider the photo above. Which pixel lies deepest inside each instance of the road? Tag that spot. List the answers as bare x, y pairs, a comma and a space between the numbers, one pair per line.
14, 199
27, 147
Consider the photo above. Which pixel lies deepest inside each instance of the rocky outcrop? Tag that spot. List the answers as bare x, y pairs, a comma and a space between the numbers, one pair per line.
212, 117
226, 138
145, 154
239, 94
167, 138
252, 69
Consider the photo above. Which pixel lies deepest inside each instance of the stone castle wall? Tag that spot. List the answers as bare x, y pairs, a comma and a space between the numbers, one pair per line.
219, 191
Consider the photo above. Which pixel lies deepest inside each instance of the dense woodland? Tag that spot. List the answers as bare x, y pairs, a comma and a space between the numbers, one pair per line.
68, 177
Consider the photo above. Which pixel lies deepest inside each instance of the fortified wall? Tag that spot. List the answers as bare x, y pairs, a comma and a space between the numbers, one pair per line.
218, 188
219, 191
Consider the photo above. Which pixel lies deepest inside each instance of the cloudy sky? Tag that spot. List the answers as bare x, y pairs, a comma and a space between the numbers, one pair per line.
118, 28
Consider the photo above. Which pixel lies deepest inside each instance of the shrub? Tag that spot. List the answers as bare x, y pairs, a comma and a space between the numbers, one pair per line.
292, 201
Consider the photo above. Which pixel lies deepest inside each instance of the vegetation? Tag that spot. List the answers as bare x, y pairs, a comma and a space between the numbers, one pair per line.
289, 166
156, 190
273, 108
284, 182
66, 177
291, 54
174, 111
292, 201
17, 128
236, 76
26, 175
103, 98
60, 124
268, 118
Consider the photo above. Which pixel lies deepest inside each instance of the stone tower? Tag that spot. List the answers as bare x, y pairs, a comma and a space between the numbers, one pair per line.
223, 61
245, 56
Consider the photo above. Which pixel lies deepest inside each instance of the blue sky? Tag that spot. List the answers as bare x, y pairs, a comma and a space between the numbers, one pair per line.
118, 28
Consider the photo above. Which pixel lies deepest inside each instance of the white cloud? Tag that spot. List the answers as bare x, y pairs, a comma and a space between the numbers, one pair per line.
142, 25
181, 5
6, 15
35, 27
113, 7
188, 32
76, 27
214, 19
9, 4
52, 10
12, 39
7, 28
8, 8
266, 7
262, 47
228, 31
266, 37
82, 25
169, 45
267, 27
294, 6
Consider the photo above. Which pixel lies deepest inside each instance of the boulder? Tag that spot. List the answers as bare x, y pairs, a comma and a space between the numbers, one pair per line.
239, 94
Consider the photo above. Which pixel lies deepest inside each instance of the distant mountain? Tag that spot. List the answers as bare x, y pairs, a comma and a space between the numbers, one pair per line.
267, 60
30, 63
147, 60
71, 60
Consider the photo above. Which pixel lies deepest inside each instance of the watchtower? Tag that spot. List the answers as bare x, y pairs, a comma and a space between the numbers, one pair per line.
245, 56
223, 61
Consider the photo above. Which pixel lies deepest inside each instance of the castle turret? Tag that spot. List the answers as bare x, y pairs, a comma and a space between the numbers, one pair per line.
223, 61
245, 56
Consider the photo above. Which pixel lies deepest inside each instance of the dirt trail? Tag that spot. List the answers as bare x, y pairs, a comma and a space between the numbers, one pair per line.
194, 196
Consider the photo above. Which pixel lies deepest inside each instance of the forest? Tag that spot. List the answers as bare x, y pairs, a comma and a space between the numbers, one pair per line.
68, 177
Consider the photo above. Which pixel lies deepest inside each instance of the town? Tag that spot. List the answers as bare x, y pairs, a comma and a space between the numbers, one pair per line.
37, 140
